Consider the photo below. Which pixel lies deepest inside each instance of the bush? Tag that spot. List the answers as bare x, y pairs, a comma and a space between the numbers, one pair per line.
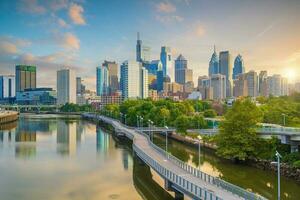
210, 113
296, 164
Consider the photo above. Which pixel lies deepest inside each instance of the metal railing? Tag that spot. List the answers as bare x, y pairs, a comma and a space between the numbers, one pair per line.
236, 190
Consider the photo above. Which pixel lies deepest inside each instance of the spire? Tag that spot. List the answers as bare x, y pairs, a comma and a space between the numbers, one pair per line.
138, 35
214, 48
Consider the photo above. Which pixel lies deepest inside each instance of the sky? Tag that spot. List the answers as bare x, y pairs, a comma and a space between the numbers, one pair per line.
81, 34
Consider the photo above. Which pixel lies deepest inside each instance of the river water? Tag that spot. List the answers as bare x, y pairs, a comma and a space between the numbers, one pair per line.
61, 159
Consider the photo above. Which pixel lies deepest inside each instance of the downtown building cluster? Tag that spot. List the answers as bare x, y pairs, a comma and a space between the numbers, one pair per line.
145, 78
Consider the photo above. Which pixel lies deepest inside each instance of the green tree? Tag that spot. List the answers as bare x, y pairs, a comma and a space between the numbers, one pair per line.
182, 123
237, 138
210, 113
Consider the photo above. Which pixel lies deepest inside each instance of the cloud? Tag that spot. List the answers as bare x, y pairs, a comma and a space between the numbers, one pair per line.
76, 14
62, 23
31, 6
56, 5
11, 45
200, 31
166, 7
169, 18
70, 41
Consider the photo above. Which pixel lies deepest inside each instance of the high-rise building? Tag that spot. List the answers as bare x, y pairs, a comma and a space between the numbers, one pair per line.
80, 88
239, 67
262, 83
246, 84
7, 87
66, 86
166, 59
154, 66
201, 80
25, 77
142, 51
213, 64
225, 68
277, 85
160, 80
102, 78
182, 73
144, 86
130, 79
218, 84
252, 83
113, 75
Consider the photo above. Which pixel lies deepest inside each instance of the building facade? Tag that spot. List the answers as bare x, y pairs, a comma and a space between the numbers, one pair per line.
66, 86
182, 73
144, 86
113, 71
25, 77
7, 87
239, 67
130, 79
166, 59
102, 80
37, 96
218, 84
225, 68
142, 52
213, 64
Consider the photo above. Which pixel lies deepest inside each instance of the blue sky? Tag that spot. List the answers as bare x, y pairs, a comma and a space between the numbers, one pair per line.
80, 33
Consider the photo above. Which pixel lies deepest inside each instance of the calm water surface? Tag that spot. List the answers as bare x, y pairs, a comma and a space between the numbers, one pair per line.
74, 159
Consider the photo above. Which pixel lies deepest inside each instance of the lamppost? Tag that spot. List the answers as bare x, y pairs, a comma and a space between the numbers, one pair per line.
277, 154
137, 121
283, 118
166, 132
125, 119
150, 123
141, 125
199, 149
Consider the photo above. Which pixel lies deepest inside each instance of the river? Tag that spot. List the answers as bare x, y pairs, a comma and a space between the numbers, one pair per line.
53, 158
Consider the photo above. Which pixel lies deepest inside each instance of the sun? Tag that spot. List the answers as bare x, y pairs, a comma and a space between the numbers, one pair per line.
290, 73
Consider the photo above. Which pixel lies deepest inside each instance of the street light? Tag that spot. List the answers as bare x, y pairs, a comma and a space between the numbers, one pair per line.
283, 118
125, 119
166, 132
137, 121
150, 123
141, 121
199, 149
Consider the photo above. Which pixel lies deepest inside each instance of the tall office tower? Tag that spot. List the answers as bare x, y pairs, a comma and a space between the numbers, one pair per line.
142, 51
239, 67
113, 75
201, 81
154, 66
218, 84
144, 86
252, 83
159, 80
166, 59
80, 88
240, 88
284, 86
25, 77
102, 81
276, 85
66, 86
7, 87
225, 68
262, 83
130, 79
213, 64
182, 73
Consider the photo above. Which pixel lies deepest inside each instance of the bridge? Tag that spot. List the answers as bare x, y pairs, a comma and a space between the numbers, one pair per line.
27, 107
179, 177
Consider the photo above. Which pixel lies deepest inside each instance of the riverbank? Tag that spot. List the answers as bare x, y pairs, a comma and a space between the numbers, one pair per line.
8, 116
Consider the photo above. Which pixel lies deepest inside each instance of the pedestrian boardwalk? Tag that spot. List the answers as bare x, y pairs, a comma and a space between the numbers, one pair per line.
179, 176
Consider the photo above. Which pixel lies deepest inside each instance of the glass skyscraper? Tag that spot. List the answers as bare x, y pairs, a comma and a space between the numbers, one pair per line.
142, 51
182, 73
166, 59
225, 69
102, 84
213, 64
238, 66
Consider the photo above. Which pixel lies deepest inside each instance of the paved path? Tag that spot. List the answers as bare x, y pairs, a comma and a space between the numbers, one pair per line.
143, 144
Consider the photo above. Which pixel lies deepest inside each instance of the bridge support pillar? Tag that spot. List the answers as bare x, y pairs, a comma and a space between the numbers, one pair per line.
168, 187
294, 147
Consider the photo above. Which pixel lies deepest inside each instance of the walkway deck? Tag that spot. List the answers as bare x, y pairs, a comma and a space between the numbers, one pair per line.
182, 177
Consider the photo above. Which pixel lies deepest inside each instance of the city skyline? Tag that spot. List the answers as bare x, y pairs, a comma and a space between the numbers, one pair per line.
67, 33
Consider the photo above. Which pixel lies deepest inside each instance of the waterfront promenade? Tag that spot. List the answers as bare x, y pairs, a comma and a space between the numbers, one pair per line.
179, 177
8, 116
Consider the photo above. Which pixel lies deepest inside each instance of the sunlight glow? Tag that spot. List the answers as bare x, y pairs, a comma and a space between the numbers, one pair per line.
290, 73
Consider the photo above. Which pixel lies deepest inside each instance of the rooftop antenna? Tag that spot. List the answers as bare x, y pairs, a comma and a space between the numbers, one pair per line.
138, 35
214, 48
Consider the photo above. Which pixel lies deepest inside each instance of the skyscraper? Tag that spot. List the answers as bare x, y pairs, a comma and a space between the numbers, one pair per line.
154, 66
113, 75
130, 79
213, 64
142, 51
160, 80
144, 86
80, 88
262, 83
66, 86
218, 85
102, 78
226, 69
166, 59
7, 87
182, 73
25, 77
239, 67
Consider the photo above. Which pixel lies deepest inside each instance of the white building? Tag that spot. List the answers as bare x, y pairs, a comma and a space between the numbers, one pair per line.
130, 79
7, 86
66, 86
144, 83
218, 85
277, 85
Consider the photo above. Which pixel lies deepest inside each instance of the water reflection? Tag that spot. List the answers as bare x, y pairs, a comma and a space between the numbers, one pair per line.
66, 137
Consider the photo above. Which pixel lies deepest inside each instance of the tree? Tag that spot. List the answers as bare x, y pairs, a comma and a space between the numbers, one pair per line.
182, 123
238, 138
198, 122
210, 113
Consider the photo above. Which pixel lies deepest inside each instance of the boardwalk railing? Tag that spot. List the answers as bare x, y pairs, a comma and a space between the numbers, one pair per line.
181, 182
